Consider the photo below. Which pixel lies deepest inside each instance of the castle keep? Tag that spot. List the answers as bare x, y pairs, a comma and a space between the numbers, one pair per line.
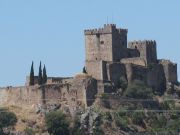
110, 56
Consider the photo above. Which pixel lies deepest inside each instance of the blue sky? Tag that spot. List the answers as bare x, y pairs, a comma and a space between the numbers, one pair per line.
52, 31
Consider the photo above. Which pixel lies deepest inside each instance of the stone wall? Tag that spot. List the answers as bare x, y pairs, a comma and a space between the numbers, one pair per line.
98, 47
81, 92
131, 53
50, 80
85, 89
60, 80
138, 73
20, 95
156, 78
135, 61
170, 70
97, 69
119, 45
153, 76
115, 71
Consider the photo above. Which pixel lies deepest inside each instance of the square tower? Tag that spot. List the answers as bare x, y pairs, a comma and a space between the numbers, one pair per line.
102, 45
106, 44
147, 50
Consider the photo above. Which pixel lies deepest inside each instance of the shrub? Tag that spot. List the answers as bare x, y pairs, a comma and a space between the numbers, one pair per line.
122, 83
76, 129
84, 70
138, 90
108, 116
57, 123
99, 120
98, 131
121, 119
173, 125
29, 131
7, 119
122, 123
122, 112
105, 100
159, 122
168, 103
137, 118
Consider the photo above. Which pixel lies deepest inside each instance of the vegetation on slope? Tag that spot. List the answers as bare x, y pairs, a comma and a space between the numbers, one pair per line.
57, 123
7, 119
135, 110
142, 111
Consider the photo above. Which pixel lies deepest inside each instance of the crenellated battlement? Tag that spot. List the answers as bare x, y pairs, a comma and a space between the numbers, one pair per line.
167, 62
108, 29
144, 42
146, 48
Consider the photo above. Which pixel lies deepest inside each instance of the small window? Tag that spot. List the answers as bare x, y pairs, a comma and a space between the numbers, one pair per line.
102, 42
135, 47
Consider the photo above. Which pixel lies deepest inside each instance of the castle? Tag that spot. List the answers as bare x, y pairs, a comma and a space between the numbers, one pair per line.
107, 60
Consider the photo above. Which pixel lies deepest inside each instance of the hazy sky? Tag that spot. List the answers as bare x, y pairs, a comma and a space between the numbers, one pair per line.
52, 31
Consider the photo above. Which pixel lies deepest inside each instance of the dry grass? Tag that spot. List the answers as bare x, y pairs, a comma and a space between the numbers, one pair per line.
25, 114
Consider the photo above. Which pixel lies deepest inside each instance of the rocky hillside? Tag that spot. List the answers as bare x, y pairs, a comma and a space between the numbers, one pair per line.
134, 109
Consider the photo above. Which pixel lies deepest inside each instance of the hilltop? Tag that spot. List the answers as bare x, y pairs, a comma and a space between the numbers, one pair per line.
124, 89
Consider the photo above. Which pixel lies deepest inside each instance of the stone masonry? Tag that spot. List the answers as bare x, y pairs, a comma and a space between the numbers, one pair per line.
108, 58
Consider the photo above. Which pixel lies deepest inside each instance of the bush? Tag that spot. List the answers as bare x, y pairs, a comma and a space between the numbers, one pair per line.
123, 111
137, 118
160, 121
7, 119
138, 90
105, 99
108, 116
76, 130
173, 125
29, 131
98, 131
57, 123
99, 120
122, 83
168, 103
122, 123
121, 119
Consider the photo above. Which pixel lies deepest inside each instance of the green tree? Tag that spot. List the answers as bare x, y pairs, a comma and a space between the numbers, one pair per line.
40, 79
138, 90
7, 119
57, 123
31, 81
84, 70
44, 75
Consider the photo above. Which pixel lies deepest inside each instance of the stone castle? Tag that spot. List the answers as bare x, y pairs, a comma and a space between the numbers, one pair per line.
109, 57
